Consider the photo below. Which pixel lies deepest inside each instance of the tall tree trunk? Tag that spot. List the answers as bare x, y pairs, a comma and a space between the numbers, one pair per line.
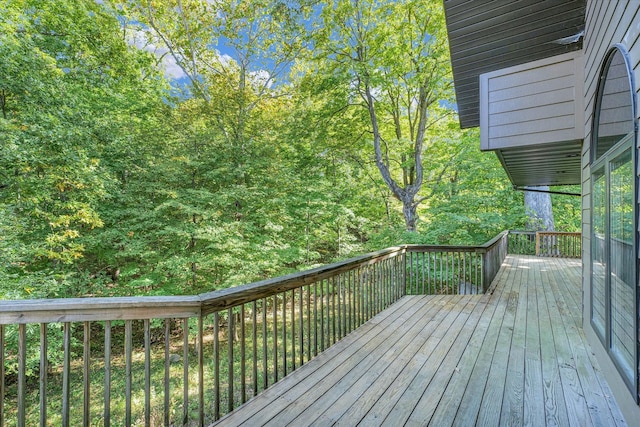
410, 212
538, 209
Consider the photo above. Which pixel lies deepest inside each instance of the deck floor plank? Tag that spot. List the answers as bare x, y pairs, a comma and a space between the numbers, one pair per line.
534, 400
560, 319
353, 387
318, 368
310, 404
386, 399
323, 379
555, 409
513, 397
424, 379
591, 390
574, 275
453, 398
472, 398
449, 367
348, 412
492, 397
515, 356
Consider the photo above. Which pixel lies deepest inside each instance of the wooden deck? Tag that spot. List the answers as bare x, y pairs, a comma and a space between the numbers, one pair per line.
516, 356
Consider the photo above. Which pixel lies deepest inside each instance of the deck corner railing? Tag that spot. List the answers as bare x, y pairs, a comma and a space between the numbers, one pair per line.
189, 360
448, 269
558, 244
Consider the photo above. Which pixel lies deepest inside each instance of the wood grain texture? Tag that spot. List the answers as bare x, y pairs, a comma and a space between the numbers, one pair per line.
514, 356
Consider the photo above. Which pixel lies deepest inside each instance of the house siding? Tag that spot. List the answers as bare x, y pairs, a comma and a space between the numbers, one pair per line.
607, 23
535, 103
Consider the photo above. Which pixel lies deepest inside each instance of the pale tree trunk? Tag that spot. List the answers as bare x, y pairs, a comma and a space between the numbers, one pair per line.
413, 181
410, 212
538, 209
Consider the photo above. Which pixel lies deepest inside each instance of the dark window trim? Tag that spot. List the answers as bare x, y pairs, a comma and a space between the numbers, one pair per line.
597, 163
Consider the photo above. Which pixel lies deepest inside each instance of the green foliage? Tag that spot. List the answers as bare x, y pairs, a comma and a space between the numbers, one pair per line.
261, 165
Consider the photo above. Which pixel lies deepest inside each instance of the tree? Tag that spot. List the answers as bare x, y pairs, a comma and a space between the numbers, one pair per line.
395, 54
537, 206
68, 79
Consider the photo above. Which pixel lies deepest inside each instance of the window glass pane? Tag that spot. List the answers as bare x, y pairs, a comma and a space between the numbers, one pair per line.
598, 254
621, 260
616, 117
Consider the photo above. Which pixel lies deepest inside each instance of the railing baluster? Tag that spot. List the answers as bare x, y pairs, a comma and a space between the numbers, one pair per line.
387, 281
44, 368
66, 368
216, 366
147, 372
243, 361
344, 292
371, 277
308, 322
346, 301
448, 267
301, 325
22, 376
383, 282
284, 334
378, 288
338, 299
322, 316
265, 368
107, 373
315, 318
167, 370
354, 299
254, 338
428, 283
275, 338
127, 370
422, 273
200, 371
185, 370
360, 297
230, 336
293, 330
86, 381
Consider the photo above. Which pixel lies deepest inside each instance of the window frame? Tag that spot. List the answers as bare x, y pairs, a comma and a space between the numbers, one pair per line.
602, 165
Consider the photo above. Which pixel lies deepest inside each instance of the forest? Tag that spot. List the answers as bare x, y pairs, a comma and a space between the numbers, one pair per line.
182, 146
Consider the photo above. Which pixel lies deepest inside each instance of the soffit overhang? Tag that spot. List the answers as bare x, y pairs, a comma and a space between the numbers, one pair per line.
488, 35
545, 164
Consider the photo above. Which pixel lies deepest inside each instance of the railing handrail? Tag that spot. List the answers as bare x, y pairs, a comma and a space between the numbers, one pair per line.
163, 307
230, 297
458, 248
559, 233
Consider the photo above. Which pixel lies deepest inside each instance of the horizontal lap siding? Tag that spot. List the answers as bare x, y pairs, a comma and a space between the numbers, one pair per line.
607, 23
534, 103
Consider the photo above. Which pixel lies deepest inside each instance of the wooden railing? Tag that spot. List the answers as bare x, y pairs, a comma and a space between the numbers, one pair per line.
522, 242
189, 360
545, 243
558, 244
180, 360
454, 269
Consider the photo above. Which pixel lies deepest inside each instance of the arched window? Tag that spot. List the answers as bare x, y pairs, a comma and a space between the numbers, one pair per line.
613, 216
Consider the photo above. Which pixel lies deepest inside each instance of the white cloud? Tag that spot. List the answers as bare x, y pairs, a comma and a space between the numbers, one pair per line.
145, 40
261, 78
